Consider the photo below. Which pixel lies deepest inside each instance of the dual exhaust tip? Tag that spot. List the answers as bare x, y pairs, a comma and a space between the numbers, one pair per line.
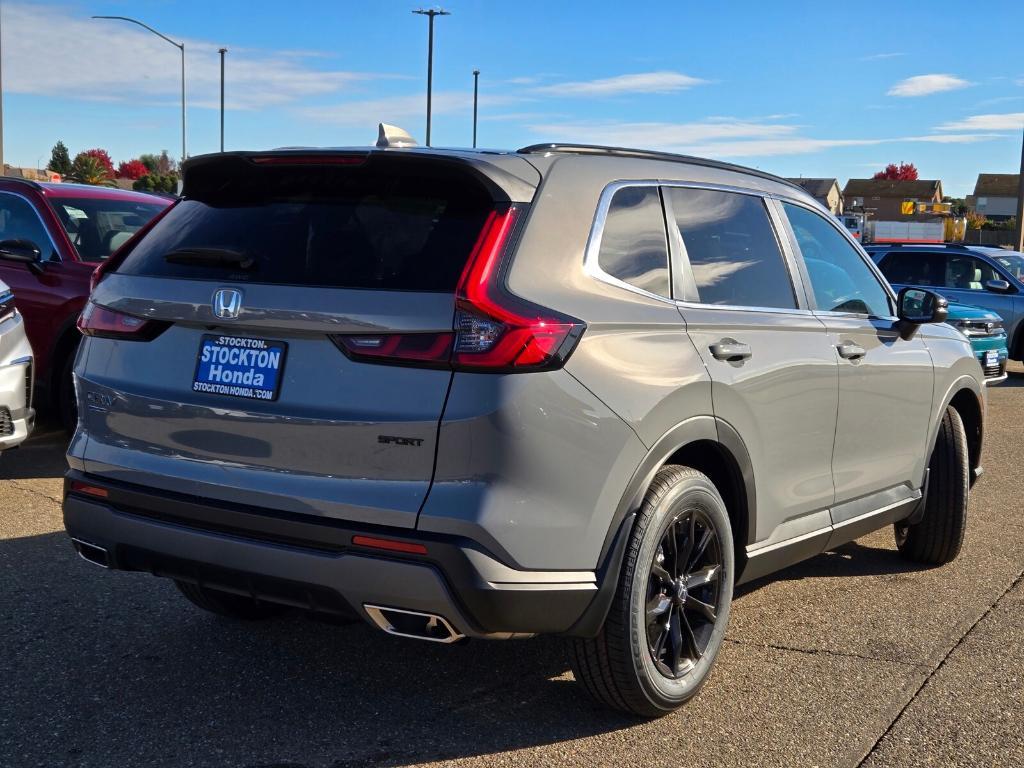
395, 621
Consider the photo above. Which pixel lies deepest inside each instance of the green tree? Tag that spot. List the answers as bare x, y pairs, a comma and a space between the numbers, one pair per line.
60, 159
152, 162
88, 169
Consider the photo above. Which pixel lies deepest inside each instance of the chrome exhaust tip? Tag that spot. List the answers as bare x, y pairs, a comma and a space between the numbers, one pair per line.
91, 553
414, 624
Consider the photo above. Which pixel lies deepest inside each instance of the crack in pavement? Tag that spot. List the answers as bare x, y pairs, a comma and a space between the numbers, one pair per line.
826, 652
921, 686
33, 491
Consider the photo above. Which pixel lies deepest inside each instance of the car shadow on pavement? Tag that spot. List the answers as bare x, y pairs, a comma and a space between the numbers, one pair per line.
116, 669
849, 560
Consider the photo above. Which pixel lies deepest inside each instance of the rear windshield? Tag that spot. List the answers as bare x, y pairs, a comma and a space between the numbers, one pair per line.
97, 226
377, 226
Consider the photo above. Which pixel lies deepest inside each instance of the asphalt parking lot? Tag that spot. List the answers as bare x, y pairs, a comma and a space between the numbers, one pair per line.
852, 658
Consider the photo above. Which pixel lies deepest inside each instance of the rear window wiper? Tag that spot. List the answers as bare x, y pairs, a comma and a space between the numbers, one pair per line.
210, 257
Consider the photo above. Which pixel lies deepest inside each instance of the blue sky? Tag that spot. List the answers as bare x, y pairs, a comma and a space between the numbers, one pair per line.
809, 88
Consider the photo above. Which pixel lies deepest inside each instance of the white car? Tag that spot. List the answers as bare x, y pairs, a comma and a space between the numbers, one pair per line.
16, 414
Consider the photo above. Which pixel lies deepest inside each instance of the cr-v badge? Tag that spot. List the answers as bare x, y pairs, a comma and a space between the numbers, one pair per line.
227, 303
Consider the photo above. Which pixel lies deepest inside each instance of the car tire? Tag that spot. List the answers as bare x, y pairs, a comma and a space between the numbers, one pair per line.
228, 604
67, 406
633, 664
937, 538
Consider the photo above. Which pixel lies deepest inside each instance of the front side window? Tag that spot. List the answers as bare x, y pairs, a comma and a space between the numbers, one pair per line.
968, 273
840, 278
19, 221
634, 248
732, 249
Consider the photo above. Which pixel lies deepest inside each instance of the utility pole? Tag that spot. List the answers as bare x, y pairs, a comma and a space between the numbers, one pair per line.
1018, 244
430, 13
222, 52
3, 168
476, 92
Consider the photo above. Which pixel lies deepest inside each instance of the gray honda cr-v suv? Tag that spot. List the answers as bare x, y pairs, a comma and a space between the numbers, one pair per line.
569, 390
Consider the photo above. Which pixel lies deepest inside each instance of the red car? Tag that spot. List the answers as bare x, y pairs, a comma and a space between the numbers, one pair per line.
52, 237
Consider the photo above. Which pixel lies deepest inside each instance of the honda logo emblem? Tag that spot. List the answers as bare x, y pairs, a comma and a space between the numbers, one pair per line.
227, 303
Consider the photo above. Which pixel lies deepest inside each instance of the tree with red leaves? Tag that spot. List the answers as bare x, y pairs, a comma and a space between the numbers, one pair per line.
131, 169
901, 172
102, 157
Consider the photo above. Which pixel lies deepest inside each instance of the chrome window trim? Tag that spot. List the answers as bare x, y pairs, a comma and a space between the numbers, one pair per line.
54, 256
592, 268
591, 265
857, 247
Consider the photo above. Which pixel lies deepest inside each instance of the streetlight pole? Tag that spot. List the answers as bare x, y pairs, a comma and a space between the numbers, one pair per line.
430, 13
222, 52
476, 92
180, 47
1019, 236
3, 168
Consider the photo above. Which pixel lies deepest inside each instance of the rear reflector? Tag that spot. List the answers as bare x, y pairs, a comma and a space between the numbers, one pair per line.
389, 544
90, 490
109, 324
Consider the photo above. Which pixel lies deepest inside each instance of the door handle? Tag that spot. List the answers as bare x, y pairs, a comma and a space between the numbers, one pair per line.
850, 351
730, 350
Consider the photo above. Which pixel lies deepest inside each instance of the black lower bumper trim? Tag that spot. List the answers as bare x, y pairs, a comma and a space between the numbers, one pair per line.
311, 562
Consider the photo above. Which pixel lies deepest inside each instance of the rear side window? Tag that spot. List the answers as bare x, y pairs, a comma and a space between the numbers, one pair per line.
914, 268
634, 248
383, 225
732, 249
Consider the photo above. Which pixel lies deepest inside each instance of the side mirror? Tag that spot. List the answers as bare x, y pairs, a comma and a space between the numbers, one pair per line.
917, 306
22, 252
997, 286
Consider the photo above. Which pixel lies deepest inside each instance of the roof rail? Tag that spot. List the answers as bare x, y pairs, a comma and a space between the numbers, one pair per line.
28, 182
650, 154
921, 244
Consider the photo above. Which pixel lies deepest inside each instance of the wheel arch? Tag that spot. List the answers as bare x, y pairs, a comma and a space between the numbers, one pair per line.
969, 404
65, 342
706, 444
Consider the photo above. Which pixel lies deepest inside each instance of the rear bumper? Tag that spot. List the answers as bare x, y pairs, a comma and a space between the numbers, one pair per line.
313, 563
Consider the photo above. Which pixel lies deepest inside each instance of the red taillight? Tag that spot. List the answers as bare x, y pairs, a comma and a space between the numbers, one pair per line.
497, 330
107, 324
389, 544
119, 255
412, 348
494, 330
90, 490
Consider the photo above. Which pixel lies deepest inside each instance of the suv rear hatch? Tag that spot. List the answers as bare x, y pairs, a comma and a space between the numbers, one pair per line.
285, 336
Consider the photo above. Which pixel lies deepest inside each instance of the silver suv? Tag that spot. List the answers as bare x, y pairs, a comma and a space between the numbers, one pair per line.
567, 390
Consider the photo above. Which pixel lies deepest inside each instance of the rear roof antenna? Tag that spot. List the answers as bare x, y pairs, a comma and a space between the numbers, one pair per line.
393, 136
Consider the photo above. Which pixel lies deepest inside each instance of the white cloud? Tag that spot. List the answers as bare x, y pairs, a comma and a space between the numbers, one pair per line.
881, 56
644, 82
113, 61
923, 85
1009, 121
739, 138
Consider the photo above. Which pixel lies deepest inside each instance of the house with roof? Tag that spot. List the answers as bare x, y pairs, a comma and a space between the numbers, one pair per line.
995, 195
825, 191
884, 199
